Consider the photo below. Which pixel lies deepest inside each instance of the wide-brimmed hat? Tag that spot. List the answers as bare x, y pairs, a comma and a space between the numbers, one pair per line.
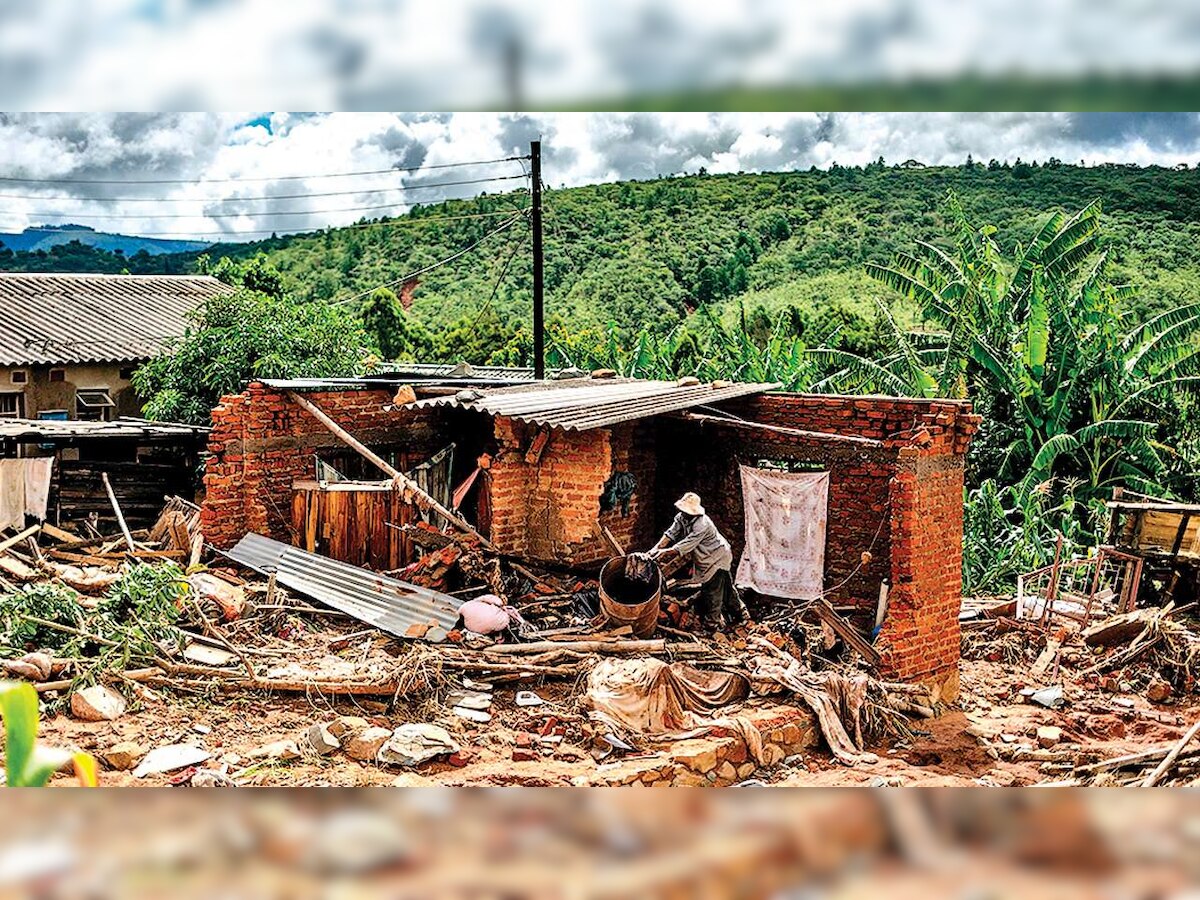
690, 504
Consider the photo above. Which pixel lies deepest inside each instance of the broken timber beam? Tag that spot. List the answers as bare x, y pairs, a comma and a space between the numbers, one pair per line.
746, 425
846, 632
112, 498
354, 443
13, 541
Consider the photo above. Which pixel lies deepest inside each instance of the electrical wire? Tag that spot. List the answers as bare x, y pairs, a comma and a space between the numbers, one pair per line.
449, 259
379, 190
516, 245
30, 180
393, 222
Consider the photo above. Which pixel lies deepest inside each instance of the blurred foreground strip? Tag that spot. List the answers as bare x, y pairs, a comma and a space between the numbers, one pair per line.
537, 843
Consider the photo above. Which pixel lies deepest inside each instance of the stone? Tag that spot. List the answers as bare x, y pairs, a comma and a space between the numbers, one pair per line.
773, 754
412, 779
97, 704
170, 758
344, 725
319, 738
696, 754
282, 750
1158, 691
363, 745
124, 755
524, 754
414, 743
727, 771
687, 778
735, 751
746, 769
1048, 735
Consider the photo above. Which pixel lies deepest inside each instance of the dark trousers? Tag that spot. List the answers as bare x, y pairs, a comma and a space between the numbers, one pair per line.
718, 599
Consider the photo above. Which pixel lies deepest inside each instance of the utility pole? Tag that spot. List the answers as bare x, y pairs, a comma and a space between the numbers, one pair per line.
539, 324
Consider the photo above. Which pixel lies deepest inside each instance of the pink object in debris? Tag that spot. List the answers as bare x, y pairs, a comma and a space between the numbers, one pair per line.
486, 614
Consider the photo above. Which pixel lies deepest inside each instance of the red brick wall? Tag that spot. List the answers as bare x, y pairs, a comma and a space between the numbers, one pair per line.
920, 635
261, 442
902, 501
549, 508
949, 424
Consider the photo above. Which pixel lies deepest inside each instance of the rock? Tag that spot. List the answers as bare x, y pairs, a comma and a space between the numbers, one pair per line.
321, 740
472, 715
202, 729
415, 743
33, 666
1001, 777
1048, 736
1158, 691
363, 745
469, 700
283, 750
124, 755
1110, 684
746, 769
727, 771
97, 704
524, 754
211, 778
773, 754
170, 758
344, 725
412, 779
696, 754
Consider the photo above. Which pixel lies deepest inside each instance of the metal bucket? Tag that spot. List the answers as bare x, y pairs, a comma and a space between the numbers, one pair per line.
628, 602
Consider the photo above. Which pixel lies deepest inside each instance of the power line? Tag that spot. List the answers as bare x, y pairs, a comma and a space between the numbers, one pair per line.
449, 259
379, 190
516, 245
25, 180
390, 223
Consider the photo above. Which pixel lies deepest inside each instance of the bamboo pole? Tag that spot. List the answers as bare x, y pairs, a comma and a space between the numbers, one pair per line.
350, 440
1169, 760
13, 541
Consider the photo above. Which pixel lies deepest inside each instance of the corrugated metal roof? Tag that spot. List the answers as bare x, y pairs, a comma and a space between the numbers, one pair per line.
69, 318
386, 603
579, 405
59, 430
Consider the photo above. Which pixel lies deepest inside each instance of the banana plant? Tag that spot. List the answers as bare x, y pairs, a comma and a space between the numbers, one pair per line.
26, 762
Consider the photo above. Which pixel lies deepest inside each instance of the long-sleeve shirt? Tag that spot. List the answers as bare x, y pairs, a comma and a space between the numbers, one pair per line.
700, 539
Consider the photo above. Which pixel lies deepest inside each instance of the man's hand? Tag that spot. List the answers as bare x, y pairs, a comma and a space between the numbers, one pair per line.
654, 552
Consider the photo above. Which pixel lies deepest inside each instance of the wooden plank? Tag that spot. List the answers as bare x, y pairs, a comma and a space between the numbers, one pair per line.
57, 533
846, 632
408, 484
24, 535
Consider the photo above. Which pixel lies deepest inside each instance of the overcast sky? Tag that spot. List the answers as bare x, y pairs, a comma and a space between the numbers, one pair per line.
260, 156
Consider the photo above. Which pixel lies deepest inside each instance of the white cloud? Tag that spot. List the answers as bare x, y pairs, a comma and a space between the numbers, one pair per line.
264, 152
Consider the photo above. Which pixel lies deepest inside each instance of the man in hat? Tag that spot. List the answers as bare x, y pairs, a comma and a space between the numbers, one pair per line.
693, 534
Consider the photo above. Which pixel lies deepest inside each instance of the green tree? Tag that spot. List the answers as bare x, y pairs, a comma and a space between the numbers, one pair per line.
241, 336
396, 335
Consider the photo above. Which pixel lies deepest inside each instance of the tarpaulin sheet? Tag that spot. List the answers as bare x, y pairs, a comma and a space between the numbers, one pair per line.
785, 513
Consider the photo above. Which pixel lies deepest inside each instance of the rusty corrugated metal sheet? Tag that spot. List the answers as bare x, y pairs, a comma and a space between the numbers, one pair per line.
582, 404
73, 429
386, 603
52, 319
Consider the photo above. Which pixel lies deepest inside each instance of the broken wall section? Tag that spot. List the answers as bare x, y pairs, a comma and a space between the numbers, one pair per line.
553, 490
262, 442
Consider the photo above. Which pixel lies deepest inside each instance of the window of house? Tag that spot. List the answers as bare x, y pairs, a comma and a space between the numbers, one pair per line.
20, 376
93, 404
58, 374
12, 405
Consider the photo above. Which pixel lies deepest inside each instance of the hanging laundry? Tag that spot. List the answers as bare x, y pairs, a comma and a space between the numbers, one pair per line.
38, 472
12, 493
785, 513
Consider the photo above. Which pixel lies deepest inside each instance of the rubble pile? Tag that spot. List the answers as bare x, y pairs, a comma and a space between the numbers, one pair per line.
102, 624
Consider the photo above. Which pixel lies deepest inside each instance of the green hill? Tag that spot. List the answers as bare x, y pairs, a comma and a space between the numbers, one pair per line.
646, 254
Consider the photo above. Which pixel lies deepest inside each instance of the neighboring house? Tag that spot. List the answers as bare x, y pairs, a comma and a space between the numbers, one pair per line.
69, 343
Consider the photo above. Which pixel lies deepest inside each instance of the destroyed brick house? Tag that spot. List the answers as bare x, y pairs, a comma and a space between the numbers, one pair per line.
565, 470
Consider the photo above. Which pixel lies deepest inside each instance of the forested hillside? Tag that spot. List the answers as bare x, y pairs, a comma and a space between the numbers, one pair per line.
648, 254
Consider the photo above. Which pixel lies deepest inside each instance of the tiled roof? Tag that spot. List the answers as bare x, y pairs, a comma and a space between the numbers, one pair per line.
72, 318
